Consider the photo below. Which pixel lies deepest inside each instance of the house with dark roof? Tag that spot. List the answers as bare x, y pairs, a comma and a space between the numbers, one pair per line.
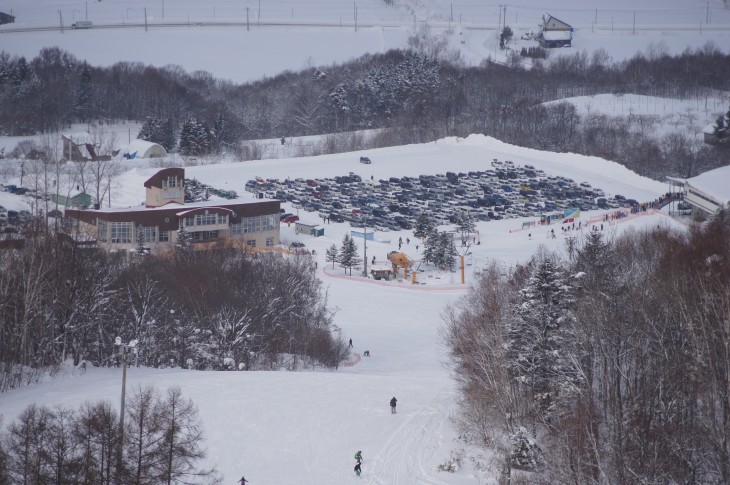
254, 223
81, 148
6, 18
554, 32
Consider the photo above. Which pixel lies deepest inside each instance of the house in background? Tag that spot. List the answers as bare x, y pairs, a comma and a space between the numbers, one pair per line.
81, 148
253, 223
143, 149
6, 18
554, 33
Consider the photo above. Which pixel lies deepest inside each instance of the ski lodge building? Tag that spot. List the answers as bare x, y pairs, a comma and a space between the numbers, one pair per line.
254, 223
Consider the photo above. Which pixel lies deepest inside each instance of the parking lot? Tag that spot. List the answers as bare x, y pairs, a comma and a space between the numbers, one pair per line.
506, 190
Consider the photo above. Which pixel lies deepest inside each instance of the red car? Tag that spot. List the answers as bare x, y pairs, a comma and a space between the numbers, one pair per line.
290, 219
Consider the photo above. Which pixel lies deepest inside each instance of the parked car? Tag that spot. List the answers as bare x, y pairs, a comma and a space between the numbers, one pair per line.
365, 160
290, 219
55, 213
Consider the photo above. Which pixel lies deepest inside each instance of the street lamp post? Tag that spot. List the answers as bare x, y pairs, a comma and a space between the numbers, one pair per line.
132, 344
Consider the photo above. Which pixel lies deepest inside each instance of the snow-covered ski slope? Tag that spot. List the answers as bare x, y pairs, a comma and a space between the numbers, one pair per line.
304, 427
245, 40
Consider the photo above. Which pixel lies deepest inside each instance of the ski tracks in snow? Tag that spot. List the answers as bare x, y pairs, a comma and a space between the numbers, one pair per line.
404, 457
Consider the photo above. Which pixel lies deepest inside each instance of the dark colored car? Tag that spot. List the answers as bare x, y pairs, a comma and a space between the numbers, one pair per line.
365, 160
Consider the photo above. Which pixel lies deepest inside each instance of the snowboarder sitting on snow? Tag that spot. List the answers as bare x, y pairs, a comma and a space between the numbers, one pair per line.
366, 353
392, 405
357, 469
242, 481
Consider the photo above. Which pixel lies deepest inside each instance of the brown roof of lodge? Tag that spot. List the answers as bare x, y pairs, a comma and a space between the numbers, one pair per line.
156, 179
167, 217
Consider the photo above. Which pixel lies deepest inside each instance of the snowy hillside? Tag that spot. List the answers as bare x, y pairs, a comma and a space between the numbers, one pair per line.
303, 427
244, 41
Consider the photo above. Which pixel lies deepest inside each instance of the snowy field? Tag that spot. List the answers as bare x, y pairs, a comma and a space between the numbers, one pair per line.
304, 427
322, 32
661, 115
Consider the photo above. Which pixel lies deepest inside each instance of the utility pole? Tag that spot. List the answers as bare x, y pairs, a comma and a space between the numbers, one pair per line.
365, 248
60, 16
247, 26
633, 28
120, 456
87, 10
145, 19
163, 9
258, 20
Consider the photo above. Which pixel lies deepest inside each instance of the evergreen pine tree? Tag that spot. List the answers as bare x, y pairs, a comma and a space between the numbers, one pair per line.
166, 134
348, 254
195, 191
465, 224
447, 250
424, 225
431, 253
147, 131
183, 243
541, 341
141, 249
331, 255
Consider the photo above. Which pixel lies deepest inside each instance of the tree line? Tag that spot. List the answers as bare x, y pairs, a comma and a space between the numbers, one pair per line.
198, 309
161, 443
416, 95
608, 364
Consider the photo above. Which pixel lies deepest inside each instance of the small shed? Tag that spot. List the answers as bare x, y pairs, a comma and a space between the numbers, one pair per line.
308, 229
143, 149
552, 24
381, 272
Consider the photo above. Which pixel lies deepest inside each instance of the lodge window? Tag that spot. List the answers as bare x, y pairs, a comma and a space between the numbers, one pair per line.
171, 182
269, 241
204, 236
121, 232
164, 236
236, 229
205, 219
251, 242
148, 233
102, 229
251, 224
270, 222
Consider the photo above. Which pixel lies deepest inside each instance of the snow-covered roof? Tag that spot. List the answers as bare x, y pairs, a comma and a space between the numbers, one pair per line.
143, 147
79, 138
715, 183
193, 209
190, 206
556, 35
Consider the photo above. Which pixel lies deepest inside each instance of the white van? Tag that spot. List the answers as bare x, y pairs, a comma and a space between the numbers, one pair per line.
82, 24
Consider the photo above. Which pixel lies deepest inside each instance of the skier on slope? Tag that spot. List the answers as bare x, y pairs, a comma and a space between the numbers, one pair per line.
392, 405
358, 457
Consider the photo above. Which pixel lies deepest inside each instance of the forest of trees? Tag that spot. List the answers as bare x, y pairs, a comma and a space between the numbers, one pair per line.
161, 443
191, 309
607, 365
417, 96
